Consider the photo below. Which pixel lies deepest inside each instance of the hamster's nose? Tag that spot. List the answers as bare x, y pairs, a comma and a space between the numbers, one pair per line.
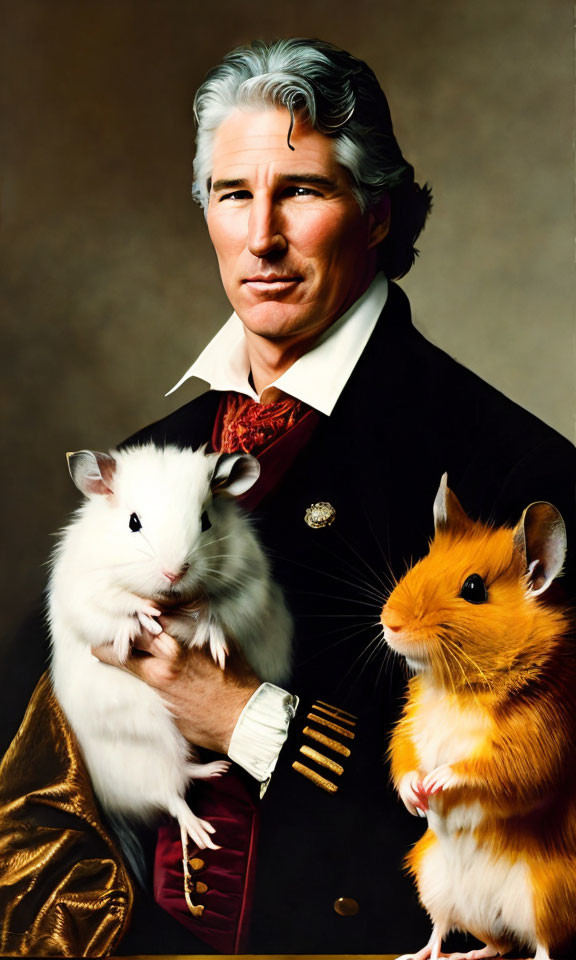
391, 620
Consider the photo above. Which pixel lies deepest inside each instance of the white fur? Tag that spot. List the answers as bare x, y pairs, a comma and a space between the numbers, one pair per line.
461, 884
445, 731
107, 579
464, 886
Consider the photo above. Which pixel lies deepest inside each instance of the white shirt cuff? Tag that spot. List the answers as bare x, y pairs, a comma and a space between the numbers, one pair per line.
261, 730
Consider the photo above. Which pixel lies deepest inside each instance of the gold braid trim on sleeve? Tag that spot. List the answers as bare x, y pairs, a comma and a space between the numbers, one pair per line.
64, 890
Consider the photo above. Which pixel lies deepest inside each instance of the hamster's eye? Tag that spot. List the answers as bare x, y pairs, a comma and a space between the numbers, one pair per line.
474, 589
135, 524
205, 521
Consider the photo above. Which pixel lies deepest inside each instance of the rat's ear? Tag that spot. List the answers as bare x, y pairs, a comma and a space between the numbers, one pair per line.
92, 472
448, 514
540, 541
235, 473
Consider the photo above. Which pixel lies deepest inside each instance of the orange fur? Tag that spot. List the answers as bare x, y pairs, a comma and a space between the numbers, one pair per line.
495, 698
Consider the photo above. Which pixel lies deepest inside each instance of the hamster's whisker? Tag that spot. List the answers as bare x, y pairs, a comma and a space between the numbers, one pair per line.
347, 626
332, 645
384, 660
371, 604
360, 557
375, 584
443, 650
369, 590
373, 574
367, 655
338, 616
451, 642
385, 557
449, 647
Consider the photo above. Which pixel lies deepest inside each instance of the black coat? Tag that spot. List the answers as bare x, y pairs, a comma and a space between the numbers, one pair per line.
408, 413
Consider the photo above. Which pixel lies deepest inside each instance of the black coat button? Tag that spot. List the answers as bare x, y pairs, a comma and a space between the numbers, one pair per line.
346, 906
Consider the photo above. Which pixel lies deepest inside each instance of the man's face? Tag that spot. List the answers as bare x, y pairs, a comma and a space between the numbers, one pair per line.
294, 249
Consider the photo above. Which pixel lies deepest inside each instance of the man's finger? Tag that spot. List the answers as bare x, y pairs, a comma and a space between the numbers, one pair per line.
162, 645
105, 654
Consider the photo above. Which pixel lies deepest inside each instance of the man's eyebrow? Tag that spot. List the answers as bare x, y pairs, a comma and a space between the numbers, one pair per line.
317, 179
226, 184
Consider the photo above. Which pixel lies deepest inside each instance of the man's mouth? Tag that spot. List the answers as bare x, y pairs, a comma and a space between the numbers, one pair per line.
272, 282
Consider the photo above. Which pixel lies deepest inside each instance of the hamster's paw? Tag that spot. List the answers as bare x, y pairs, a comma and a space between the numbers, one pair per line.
412, 794
441, 778
486, 952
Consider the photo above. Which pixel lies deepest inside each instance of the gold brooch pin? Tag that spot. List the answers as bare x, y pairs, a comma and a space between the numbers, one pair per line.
319, 515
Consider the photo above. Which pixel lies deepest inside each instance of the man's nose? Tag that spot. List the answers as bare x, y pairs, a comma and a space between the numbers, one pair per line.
265, 230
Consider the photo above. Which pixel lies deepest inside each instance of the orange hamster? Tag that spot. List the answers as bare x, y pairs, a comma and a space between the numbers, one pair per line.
485, 747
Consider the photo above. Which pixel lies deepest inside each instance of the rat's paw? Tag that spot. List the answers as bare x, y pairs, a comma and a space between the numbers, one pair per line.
412, 794
218, 646
441, 778
149, 623
205, 771
140, 605
199, 831
126, 632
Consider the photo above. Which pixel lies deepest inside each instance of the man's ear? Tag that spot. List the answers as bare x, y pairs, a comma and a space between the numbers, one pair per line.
379, 216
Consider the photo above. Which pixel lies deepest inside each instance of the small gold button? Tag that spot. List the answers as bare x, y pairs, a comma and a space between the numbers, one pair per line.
196, 864
346, 906
320, 515
200, 887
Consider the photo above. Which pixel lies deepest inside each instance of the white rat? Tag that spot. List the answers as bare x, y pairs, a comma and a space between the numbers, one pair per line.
160, 527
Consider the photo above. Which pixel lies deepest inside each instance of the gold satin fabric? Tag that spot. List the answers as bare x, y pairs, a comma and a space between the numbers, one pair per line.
63, 888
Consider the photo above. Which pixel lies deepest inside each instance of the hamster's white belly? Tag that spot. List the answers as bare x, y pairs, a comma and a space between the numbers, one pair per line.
464, 885
444, 731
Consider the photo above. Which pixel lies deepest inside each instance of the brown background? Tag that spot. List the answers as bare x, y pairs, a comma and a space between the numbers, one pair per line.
109, 285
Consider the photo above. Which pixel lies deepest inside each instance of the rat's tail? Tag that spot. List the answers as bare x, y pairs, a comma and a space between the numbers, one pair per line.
130, 846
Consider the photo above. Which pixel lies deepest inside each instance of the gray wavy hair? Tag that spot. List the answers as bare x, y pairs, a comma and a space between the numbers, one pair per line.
341, 97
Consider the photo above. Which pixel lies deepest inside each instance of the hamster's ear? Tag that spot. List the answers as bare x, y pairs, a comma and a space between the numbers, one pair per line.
92, 472
540, 541
235, 473
448, 514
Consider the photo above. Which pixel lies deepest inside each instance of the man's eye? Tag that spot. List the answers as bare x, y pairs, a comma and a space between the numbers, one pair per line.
235, 195
304, 192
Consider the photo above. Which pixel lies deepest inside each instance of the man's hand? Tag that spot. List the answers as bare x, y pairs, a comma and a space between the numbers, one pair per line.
206, 701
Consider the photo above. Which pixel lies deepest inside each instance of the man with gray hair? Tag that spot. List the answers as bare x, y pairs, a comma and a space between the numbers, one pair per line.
313, 212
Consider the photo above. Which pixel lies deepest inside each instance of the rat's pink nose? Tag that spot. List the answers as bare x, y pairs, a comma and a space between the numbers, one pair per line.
172, 577
175, 577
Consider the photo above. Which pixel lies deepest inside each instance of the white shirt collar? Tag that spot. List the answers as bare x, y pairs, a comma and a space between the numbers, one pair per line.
318, 377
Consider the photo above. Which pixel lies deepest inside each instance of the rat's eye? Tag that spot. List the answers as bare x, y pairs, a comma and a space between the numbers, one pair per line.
474, 589
135, 524
205, 521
